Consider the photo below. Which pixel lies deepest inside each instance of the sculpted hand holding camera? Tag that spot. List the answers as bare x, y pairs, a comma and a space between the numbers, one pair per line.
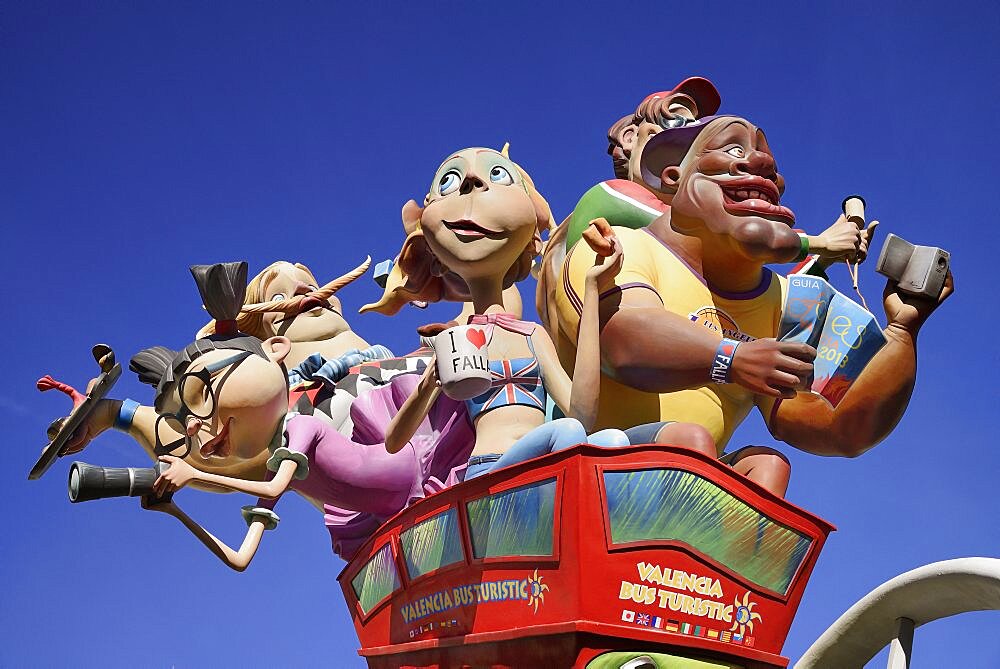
683, 320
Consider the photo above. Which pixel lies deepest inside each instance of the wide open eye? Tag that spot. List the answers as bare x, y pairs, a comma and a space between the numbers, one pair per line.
449, 182
277, 297
736, 152
499, 175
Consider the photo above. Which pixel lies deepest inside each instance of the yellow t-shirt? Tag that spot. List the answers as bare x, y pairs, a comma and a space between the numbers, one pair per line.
650, 265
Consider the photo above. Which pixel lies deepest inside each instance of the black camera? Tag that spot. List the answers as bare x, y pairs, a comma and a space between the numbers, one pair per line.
917, 270
87, 482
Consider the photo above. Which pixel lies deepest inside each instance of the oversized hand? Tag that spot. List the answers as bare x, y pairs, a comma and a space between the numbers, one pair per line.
599, 235
601, 238
153, 503
772, 368
430, 379
909, 312
844, 239
100, 419
433, 329
866, 242
176, 477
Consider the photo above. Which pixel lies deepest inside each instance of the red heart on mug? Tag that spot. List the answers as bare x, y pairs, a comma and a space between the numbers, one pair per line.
476, 337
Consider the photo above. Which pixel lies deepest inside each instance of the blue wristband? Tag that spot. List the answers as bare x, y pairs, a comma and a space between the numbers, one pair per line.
123, 421
723, 360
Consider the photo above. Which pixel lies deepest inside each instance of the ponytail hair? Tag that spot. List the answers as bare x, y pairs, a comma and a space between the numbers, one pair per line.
222, 287
151, 364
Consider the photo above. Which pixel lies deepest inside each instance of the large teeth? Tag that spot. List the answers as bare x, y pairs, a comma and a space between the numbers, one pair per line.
742, 194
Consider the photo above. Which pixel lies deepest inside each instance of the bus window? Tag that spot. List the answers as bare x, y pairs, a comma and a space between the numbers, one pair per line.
670, 504
514, 522
376, 580
432, 544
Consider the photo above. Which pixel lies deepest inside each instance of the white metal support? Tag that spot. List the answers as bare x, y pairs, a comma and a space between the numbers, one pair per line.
901, 647
890, 612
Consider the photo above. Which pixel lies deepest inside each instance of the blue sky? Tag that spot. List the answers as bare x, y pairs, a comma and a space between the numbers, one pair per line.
139, 138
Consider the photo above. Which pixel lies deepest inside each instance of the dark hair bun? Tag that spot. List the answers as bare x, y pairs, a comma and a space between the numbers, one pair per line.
151, 364
223, 287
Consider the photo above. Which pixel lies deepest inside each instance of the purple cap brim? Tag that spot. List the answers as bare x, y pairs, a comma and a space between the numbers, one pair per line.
669, 146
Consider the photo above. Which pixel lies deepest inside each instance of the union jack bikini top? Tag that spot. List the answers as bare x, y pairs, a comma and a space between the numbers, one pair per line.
515, 381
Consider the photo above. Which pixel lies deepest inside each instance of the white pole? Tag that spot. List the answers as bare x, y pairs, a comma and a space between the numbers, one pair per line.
901, 647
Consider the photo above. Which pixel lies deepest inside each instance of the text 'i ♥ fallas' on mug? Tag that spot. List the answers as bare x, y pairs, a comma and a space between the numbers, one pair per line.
463, 361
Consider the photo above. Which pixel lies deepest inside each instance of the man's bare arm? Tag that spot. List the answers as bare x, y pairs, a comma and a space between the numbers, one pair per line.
877, 400
654, 350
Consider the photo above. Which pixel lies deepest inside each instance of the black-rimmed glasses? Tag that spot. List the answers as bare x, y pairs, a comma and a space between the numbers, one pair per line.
177, 422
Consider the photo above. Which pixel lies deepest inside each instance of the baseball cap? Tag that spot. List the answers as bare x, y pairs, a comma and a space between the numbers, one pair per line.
701, 90
669, 146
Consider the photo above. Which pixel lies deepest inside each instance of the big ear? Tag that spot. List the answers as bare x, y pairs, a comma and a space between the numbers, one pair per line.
411, 216
626, 138
669, 178
543, 214
277, 348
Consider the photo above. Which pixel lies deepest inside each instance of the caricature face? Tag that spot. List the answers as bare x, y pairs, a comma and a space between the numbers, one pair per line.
478, 217
679, 107
233, 416
318, 320
728, 186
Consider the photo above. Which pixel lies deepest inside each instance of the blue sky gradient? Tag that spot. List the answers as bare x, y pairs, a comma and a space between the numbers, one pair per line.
140, 138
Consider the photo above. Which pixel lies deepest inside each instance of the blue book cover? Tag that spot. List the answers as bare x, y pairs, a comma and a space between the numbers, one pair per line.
845, 335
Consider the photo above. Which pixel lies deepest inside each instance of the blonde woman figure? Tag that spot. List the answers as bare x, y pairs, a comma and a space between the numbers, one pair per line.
477, 234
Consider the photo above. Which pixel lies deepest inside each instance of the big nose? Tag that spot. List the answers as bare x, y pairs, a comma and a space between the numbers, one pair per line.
760, 164
192, 426
470, 183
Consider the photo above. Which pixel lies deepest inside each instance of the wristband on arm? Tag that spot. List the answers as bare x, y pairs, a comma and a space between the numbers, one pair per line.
723, 360
252, 513
126, 412
803, 247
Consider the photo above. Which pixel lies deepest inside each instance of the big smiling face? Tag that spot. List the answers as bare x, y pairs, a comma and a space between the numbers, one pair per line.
478, 218
235, 415
728, 186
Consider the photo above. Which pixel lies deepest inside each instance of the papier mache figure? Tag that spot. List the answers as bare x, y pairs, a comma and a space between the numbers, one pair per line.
479, 231
329, 367
284, 300
628, 201
221, 420
688, 332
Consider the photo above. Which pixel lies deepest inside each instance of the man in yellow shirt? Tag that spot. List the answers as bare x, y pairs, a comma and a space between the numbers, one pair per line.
688, 331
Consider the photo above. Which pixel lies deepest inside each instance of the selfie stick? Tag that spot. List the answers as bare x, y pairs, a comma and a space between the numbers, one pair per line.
853, 207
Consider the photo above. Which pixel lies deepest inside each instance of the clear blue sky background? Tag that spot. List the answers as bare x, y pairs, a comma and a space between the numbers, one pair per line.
139, 138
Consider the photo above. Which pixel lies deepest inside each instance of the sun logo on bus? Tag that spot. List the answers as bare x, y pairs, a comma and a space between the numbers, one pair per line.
745, 615
536, 588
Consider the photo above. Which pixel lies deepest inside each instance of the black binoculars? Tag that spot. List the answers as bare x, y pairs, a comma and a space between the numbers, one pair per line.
87, 482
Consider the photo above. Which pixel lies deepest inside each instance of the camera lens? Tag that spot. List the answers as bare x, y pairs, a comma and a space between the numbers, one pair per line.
74, 483
87, 482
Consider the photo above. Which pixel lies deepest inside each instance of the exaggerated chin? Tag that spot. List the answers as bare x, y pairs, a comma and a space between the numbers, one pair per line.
473, 258
763, 239
306, 328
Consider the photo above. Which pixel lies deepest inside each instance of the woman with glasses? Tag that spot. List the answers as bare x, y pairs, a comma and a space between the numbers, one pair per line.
221, 419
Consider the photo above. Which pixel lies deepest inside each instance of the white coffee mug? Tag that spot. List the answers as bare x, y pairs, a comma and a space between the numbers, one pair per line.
463, 361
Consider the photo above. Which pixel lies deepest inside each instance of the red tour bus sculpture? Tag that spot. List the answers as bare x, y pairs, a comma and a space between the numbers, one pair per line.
559, 560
